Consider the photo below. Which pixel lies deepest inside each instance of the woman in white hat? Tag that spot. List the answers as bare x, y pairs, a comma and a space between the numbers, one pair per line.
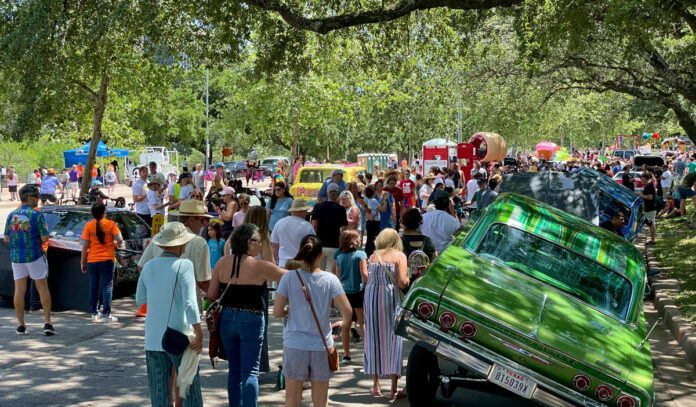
167, 284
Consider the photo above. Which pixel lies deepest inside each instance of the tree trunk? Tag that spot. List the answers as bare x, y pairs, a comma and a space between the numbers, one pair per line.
99, 109
685, 121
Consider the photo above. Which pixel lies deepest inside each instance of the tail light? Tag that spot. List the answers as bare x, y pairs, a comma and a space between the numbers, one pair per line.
468, 329
625, 401
603, 392
447, 320
581, 382
425, 309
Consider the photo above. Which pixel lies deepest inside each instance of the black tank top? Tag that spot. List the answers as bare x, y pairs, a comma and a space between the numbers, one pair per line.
248, 297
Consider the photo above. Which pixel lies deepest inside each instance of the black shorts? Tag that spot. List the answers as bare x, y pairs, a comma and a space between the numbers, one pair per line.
356, 299
48, 197
12, 188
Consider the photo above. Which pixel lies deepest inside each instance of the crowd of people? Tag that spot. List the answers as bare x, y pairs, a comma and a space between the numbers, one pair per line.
356, 250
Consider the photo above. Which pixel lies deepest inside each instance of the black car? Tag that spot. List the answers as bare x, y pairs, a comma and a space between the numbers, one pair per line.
235, 169
68, 286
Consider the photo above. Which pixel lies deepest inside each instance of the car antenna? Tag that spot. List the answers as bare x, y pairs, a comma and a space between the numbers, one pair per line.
642, 343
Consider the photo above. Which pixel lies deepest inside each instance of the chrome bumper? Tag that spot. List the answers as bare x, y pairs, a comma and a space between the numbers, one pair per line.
480, 360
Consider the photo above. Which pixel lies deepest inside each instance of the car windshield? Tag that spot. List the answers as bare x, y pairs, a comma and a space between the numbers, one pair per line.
561, 268
314, 175
269, 161
132, 228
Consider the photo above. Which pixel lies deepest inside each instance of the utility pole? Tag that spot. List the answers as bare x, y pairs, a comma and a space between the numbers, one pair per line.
459, 118
207, 119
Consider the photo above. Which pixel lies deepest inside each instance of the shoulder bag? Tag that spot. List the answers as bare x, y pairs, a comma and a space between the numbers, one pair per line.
332, 354
173, 341
216, 349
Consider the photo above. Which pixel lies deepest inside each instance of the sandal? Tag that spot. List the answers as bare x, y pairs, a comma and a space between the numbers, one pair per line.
375, 393
397, 395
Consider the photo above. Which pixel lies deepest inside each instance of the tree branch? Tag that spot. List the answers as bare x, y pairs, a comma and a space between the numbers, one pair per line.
324, 25
86, 88
682, 10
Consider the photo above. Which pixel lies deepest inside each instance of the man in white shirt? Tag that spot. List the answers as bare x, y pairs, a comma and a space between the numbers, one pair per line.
666, 180
439, 225
471, 187
289, 231
198, 180
139, 190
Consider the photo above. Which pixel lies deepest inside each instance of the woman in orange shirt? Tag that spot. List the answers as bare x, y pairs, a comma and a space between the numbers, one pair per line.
99, 240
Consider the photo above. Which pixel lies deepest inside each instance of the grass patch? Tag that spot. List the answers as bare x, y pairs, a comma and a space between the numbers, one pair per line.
676, 256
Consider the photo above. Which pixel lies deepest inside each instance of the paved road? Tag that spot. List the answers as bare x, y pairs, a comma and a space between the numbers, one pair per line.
89, 364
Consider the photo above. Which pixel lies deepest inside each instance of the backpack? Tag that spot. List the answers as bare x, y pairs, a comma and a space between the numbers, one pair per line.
417, 263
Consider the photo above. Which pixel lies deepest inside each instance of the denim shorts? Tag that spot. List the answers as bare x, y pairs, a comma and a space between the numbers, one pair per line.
306, 365
685, 193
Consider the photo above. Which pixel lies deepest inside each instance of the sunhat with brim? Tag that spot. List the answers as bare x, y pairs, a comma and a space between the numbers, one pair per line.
192, 207
458, 191
228, 191
154, 180
173, 234
299, 205
429, 176
51, 171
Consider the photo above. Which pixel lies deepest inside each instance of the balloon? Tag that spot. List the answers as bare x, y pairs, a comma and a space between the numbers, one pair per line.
646, 136
656, 136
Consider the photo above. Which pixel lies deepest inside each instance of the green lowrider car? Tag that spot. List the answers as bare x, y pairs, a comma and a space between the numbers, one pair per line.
535, 301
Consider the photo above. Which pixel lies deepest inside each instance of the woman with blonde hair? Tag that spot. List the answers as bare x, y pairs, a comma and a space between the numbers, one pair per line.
387, 274
352, 211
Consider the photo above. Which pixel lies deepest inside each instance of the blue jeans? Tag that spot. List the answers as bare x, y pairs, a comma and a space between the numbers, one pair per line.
242, 336
159, 373
101, 279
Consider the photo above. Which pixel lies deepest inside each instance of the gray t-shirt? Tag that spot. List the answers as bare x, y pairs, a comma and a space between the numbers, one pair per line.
301, 331
198, 179
487, 197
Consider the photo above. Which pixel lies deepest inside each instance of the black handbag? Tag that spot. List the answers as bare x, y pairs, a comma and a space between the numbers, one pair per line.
174, 341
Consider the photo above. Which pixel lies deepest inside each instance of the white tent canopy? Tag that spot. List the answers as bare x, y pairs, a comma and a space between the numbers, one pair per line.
439, 142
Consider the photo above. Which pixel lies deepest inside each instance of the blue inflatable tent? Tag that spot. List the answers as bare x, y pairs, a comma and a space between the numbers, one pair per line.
79, 155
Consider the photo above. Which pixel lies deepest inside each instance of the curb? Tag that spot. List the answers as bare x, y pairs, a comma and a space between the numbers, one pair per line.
681, 330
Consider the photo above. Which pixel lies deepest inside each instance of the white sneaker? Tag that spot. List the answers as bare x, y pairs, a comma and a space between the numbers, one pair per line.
96, 318
109, 318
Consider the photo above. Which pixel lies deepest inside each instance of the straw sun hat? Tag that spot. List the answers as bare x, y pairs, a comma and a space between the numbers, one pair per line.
173, 234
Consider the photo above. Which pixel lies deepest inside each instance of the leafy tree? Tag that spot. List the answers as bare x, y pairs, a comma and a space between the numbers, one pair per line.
68, 57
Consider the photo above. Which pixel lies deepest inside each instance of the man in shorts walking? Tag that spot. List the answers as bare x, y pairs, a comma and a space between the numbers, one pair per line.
25, 231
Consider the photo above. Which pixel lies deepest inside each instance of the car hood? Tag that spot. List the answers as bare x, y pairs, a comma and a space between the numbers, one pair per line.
537, 311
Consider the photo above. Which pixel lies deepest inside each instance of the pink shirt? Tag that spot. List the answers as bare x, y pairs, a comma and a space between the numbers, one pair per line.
238, 218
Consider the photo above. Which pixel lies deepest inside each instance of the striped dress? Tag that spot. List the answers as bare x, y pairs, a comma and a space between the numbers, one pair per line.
383, 349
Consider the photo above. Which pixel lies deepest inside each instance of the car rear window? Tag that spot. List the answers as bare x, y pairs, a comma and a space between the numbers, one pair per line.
67, 224
559, 267
131, 226
314, 175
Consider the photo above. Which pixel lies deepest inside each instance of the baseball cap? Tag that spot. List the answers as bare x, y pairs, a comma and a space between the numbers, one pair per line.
152, 163
332, 187
228, 191
336, 172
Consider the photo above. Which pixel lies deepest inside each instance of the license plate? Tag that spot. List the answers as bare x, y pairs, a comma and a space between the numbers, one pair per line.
512, 380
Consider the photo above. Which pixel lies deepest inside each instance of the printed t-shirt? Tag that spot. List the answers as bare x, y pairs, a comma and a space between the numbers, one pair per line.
349, 268
98, 251
25, 227
408, 189
301, 331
